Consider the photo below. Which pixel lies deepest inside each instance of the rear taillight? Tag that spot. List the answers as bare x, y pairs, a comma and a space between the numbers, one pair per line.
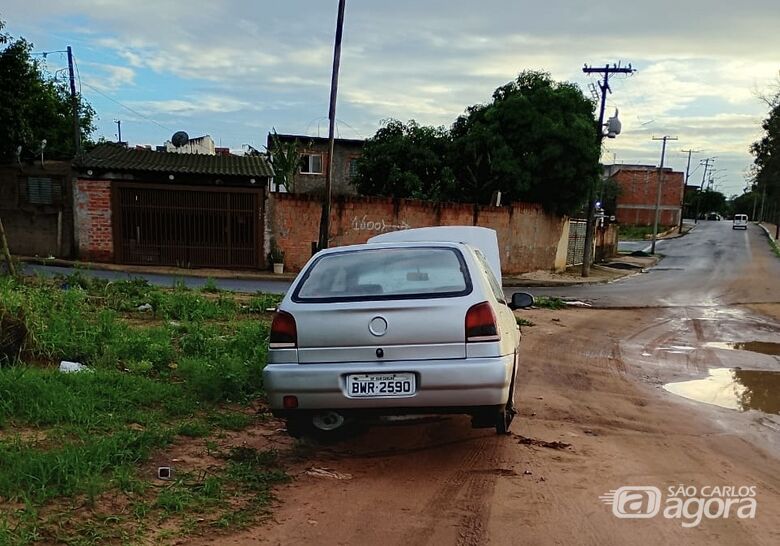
481, 323
284, 333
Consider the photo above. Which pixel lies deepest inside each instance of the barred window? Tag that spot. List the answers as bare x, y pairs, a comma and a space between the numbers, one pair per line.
43, 190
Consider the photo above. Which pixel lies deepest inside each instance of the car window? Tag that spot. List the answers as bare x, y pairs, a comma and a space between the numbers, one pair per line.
385, 273
495, 286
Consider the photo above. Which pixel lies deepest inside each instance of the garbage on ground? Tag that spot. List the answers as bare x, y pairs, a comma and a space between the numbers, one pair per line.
67, 366
577, 304
144, 307
326, 473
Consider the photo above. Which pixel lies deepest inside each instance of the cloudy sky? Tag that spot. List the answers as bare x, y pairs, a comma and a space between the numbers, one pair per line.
236, 68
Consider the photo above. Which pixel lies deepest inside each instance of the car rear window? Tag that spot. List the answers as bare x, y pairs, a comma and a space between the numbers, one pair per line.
385, 273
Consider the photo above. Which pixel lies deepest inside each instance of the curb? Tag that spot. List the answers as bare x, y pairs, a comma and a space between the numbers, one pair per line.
172, 271
532, 283
772, 242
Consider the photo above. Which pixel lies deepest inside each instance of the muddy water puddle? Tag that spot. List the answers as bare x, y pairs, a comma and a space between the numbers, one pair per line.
763, 347
732, 388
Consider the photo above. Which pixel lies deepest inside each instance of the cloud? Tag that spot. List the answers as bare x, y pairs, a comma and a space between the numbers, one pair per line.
699, 70
107, 77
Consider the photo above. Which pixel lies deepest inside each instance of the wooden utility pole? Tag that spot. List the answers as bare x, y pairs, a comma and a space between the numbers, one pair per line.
604, 87
660, 184
334, 86
74, 104
685, 186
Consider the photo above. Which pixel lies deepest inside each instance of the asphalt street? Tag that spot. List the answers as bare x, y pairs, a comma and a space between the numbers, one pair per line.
695, 271
691, 273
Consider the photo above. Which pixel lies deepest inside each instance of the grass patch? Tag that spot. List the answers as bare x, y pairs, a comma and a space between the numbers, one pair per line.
524, 322
547, 302
164, 365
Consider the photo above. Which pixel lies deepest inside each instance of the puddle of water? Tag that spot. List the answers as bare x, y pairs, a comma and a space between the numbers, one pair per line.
741, 390
763, 347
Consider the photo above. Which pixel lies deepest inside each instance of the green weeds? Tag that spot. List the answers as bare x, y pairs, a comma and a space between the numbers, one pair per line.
162, 365
547, 302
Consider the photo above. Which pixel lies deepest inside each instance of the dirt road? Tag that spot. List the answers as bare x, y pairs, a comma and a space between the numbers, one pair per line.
593, 378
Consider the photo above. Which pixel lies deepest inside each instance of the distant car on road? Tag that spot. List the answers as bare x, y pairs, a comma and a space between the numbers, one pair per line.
714, 216
414, 322
740, 221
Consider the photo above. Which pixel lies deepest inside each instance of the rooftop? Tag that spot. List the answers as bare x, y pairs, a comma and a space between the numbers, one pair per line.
110, 157
317, 140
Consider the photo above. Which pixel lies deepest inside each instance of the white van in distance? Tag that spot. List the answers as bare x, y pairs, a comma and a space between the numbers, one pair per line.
740, 221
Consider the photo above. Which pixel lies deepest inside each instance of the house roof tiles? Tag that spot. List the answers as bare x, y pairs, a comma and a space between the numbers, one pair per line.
118, 158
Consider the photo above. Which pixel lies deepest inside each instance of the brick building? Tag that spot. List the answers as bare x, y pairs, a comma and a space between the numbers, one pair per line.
137, 206
310, 176
638, 191
36, 206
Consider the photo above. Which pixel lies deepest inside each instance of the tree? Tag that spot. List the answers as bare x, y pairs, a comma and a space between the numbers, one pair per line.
747, 203
534, 142
707, 201
407, 160
286, 159
767, 155
35, 106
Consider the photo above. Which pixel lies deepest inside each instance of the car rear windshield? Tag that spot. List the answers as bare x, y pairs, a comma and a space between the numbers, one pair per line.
385, 273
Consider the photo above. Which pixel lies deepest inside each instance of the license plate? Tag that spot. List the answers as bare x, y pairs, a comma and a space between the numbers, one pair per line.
379, 385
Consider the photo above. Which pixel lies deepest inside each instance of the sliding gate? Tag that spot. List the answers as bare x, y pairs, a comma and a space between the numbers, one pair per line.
188, 226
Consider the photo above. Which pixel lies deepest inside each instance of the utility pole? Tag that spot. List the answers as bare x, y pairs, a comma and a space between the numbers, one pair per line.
685, 188
603, 85
334, 86
658, 194
118, 130
706, 163
74, 103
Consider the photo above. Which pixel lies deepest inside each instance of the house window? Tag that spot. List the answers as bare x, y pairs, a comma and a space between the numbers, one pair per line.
311, 164
43, 191
353, 168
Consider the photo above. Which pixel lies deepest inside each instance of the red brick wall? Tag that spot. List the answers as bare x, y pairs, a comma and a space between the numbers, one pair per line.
638, 194
93, 220
528, 237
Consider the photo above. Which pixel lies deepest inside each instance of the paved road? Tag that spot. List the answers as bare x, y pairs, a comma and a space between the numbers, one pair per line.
698, 269
693, 272
238, 285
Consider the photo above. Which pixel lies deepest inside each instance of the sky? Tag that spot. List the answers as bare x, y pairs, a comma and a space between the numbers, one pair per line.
235, 69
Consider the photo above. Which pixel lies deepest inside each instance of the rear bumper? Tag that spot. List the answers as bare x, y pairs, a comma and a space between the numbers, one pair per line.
440, 384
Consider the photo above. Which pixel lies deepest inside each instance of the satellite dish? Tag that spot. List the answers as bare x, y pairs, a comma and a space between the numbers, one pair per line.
180, 138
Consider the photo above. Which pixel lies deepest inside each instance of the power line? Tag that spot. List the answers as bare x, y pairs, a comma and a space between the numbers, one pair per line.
134, 111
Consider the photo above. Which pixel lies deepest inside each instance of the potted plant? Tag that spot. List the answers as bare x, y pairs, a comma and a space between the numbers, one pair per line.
276, 257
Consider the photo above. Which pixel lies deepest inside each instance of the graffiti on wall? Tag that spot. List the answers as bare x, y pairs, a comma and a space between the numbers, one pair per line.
380, 226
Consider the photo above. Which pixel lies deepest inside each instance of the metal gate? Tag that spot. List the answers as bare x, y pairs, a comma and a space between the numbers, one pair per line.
576, 249
188, 226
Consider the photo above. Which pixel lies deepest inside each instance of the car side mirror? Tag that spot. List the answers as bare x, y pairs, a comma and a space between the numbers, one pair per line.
521, 300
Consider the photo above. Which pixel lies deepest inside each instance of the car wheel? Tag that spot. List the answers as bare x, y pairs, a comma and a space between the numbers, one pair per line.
507, 412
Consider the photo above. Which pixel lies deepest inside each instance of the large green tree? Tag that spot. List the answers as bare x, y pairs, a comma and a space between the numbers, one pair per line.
35, 106
407, 160
766, 152
535, 141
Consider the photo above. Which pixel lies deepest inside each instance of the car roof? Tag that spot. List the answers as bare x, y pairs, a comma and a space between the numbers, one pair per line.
484, 239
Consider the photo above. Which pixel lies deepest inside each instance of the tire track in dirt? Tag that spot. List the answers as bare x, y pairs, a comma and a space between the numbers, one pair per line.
441, 504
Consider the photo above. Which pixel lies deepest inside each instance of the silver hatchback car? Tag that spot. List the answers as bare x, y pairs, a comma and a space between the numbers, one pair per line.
392, 328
